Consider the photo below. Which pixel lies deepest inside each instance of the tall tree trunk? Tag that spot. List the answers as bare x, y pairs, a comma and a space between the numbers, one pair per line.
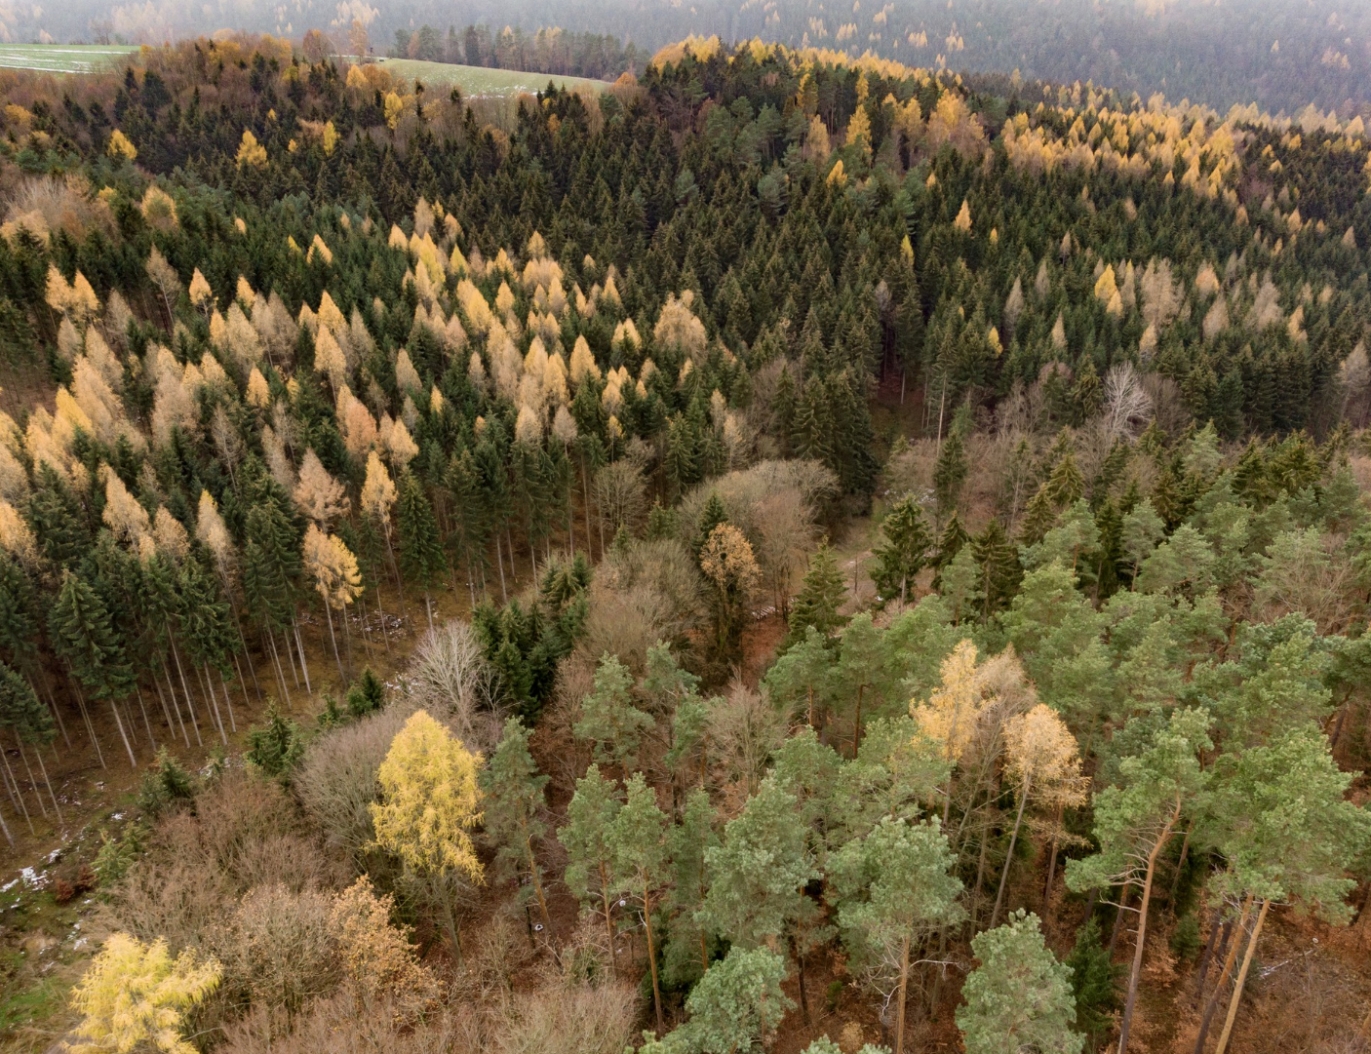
1136, 972
901, 998
85, 717
228, 700
15, 792
857, 723
607, 903
1052, 860
119, 723
146, 723
499, 560
52, 703
1236, 999
207, 686
1232, 954
190, 699
44, 770
29, 769
347, 640
1218, 929
300, 647
652, 958
280, 672
1009, 859
328, 612
5, 829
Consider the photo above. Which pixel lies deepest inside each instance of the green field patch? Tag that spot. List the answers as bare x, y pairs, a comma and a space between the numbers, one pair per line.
480, 80
63, 58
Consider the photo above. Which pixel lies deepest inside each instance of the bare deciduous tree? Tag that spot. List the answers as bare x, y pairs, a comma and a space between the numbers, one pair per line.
449, 676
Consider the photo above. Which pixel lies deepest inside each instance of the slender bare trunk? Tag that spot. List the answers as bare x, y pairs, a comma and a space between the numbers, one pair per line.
44, 770
29, 769
652, 958
1136, 972
607, 903
190, 699
1213, 1003
119, 723
1236, 999
300, 647
1009, 859
901, 998
15, 792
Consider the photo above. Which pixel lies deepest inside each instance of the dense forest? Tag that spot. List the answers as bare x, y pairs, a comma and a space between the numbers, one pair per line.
785, 553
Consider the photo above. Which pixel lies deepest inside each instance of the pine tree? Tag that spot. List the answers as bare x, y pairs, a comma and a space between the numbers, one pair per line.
1019, 997
586, 837
638, 842
514, 791
892, 888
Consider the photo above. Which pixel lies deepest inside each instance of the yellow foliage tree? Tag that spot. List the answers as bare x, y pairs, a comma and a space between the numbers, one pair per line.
321, 497
430, 802
250, 151
949, 716
337, 580
963, 220
134, 996
1041, 756
394, 106
121, 147
201, 295
859, 133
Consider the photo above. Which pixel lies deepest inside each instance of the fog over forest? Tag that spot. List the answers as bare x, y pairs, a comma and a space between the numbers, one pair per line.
1279, 55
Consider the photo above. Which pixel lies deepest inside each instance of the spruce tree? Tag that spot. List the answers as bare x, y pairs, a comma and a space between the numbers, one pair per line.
903, 551
421, 548
821, 594
83, 635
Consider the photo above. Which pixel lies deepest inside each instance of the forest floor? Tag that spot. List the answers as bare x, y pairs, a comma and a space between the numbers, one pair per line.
43, 946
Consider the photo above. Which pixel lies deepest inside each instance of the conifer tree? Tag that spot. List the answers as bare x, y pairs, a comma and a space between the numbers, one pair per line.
1134, 823
83, 635
608, 717
903, 551
758, 873
893, 888
513, 790
430, 802
638, 842
587, 839
821, 594
1019, 997
421, 550
136, 994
